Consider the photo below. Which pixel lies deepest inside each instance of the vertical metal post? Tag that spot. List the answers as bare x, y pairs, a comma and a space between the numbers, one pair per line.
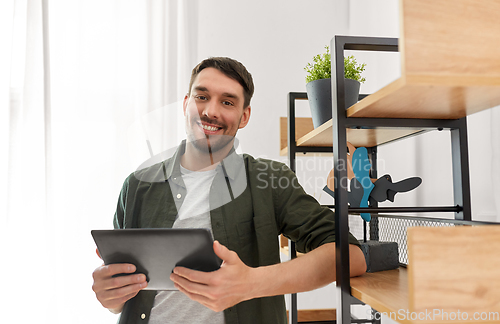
340, 173
291, 132
374, 235
292, 313
365, 236
460, 167
372, 151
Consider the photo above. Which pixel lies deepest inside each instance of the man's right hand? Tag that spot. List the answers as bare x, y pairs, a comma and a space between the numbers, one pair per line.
111, 292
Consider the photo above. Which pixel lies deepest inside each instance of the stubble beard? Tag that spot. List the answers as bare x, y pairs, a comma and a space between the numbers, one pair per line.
209, 144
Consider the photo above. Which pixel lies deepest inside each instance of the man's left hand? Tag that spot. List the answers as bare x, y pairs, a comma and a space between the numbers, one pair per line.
221, 289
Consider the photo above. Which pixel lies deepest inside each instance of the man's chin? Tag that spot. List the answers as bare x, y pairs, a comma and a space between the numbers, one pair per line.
212, 143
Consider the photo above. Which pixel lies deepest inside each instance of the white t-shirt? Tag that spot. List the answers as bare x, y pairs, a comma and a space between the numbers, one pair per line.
173, 307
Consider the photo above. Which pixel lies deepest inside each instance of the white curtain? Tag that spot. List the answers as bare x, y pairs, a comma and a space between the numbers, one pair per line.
83, 85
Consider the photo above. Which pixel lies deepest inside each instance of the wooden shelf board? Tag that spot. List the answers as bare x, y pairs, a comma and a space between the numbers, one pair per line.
430, 97
415, 96
323, 137
449, 276
311, 315
424, 97
385, 291
388, 292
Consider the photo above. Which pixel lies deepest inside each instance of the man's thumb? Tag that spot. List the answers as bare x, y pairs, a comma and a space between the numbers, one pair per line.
221, 251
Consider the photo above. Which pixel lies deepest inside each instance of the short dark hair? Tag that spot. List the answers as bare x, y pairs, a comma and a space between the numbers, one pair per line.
232, 69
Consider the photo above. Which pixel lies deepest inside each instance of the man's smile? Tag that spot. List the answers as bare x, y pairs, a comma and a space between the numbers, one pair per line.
208, 128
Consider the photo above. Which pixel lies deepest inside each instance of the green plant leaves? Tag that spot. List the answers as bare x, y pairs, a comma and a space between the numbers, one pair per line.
352, 70
321, 68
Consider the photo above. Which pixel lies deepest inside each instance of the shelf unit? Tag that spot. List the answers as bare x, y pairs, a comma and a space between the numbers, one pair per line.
429, 95
438, 88
367, 289
449, 69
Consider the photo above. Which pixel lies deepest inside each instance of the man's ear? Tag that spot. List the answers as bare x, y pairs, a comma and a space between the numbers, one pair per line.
184, 103
245, 117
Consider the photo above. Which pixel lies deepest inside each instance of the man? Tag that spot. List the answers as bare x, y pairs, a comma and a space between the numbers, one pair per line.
242, 200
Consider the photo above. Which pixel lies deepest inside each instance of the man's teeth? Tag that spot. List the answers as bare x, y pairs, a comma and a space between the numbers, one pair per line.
209, 128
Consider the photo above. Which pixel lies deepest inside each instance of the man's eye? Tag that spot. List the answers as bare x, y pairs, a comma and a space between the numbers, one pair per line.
227, 103
201, 97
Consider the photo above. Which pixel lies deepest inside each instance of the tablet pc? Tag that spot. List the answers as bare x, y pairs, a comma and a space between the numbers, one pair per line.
156, 252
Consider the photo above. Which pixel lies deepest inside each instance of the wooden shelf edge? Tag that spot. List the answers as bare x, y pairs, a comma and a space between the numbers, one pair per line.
430, 97
373, 98
451, 80
385, 291
311, 315
323, 136
315, 132
388, 293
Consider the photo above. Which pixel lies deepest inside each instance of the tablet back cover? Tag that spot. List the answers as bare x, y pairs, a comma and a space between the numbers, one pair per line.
156, 252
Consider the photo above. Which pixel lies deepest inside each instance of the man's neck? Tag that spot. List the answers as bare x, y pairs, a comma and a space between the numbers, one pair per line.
197, 160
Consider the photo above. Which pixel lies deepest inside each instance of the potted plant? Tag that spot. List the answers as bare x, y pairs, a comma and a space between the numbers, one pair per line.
318, 85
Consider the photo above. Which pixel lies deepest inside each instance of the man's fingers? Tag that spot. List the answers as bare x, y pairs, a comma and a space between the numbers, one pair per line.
191, 275
124, 292
123, 281
190, 285
194, 296
213, 304
113, 269
113, 291
109, 284
116, 297
105, 279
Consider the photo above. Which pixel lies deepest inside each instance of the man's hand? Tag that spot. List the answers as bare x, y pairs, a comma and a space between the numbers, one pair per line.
235, 282
221, 289
111, 292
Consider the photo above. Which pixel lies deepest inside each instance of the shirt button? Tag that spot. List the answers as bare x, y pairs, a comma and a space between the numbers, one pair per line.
179, 196
143, 316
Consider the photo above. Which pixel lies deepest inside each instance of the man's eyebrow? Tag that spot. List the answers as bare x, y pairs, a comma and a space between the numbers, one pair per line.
230, 95
225, 94
200, 88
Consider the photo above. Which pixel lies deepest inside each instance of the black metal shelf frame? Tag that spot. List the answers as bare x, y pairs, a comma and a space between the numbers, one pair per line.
460, 163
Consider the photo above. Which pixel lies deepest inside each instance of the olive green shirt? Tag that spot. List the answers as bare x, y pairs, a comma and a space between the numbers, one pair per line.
252, 202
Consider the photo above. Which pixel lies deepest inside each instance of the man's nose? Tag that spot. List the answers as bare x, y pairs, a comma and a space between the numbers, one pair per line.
211, 109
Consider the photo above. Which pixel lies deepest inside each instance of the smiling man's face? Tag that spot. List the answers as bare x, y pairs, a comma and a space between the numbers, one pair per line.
214, 110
